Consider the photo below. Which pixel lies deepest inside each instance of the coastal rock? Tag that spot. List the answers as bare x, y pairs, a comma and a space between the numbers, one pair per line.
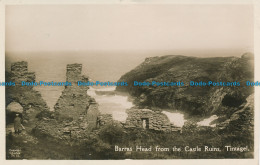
244, 116
14, 107
193, 100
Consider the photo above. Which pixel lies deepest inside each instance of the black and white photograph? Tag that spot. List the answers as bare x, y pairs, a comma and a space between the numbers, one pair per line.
144, 81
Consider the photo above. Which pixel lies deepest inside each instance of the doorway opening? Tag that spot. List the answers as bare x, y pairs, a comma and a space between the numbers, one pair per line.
145, 123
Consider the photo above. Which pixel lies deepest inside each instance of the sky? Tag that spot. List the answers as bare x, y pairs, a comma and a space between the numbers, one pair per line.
128, 28
110, 40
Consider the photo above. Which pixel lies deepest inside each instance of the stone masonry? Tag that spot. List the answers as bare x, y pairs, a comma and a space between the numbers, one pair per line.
74, 100
74, 103
148, 119
19, 71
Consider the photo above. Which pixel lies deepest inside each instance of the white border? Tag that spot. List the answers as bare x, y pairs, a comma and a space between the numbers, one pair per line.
254, 161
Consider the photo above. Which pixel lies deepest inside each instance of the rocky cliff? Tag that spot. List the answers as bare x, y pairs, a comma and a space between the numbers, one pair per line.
199, 101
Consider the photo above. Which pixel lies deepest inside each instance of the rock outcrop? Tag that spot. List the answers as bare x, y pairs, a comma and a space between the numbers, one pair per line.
242, 117
200, 101
14, 107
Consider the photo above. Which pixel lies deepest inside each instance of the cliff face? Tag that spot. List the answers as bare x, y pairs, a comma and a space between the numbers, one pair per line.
193, 100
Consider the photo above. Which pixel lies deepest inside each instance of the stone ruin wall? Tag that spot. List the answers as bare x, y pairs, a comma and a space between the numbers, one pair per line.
73, 73
95, 119
26, 96
74, 102
156, 120
19, 72
92, 116
105, 119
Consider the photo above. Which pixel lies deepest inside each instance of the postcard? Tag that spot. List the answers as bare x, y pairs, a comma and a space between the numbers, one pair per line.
130, 82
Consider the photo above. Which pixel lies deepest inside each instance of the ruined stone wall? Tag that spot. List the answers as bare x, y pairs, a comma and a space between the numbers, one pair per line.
73, 73
19, 67
105, 119
72, 103
92, 116
156, 120
74, 100
19, 71
26, 96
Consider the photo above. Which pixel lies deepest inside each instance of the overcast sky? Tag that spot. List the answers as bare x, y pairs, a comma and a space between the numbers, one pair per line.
31, 28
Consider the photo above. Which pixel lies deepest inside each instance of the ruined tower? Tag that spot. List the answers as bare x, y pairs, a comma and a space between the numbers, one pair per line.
19, 71
73, 73
74, 100
26, 96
